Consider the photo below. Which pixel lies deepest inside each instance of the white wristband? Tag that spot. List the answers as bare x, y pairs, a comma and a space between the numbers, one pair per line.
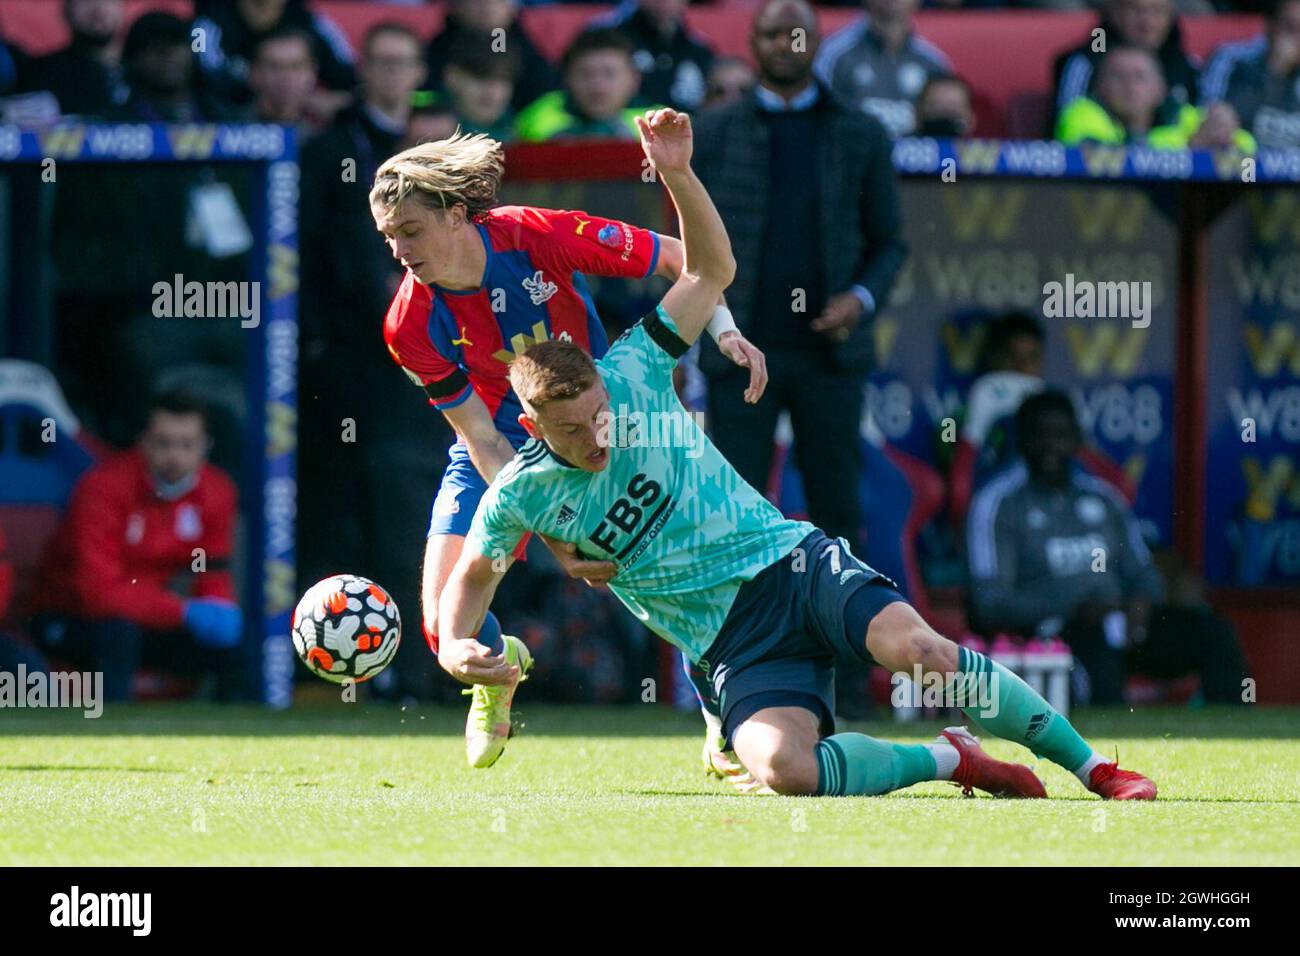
722, 322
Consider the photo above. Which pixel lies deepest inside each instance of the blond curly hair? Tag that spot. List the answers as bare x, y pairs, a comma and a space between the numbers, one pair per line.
465, 168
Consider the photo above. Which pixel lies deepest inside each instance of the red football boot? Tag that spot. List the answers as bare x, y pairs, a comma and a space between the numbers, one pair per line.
1111, 783
976, 770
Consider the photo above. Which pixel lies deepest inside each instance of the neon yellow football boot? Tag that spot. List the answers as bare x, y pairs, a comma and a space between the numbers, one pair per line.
724, 764
487, 728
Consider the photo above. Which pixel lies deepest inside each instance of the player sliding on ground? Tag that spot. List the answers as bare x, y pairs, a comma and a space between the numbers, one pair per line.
765, 605
483, 282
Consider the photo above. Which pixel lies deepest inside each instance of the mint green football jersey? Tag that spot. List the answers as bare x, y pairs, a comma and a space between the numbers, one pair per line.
684, 528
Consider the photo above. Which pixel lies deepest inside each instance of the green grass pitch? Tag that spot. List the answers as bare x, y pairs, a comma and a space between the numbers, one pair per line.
357, 784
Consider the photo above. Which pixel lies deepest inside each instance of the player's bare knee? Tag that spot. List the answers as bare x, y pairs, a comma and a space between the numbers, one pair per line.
900, 640
785, 771
931, 651
791, 771
780, 759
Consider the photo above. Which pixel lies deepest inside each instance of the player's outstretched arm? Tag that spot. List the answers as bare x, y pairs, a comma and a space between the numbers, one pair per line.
489, 450
461, 608
708, 266
722, 326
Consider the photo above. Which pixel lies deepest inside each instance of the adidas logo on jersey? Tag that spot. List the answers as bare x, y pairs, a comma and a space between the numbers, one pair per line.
538, 288
566, 515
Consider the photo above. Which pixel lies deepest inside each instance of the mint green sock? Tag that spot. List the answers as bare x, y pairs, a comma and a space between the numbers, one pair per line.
1016, 712
855, 764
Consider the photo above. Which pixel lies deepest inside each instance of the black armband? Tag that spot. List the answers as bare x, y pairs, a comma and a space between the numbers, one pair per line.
664, 337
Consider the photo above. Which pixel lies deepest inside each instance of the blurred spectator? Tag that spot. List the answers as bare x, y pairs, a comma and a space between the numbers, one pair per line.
944, 108
1011, 368
85, 76
138, 572
880, 65
1055, 552
1260, 78
282, 77
345, 261
730, 79
429, 122
1148, 24
475, 23
1126, 107
673, 61
479, 86
806, 188
231, 29
359, 424
159, 68
600, 84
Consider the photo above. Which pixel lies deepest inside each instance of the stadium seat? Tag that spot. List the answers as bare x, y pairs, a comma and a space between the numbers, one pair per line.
43, 451
1028, 114
927, 493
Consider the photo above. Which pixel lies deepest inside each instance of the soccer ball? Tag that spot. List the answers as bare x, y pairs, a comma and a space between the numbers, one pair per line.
346, 628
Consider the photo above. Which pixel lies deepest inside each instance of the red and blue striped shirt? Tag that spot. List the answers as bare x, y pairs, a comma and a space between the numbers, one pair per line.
458, 342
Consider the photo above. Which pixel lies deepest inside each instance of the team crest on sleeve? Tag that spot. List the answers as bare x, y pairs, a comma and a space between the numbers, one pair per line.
609, 236
189, 526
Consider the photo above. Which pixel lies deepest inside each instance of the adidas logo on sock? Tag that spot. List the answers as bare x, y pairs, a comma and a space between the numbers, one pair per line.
566, 515
1037, 723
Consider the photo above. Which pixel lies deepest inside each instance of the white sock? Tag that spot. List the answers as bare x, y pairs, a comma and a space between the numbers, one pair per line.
1084, 772
945, 757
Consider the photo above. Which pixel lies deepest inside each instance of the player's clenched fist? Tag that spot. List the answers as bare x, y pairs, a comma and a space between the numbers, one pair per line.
469, 661
666, 138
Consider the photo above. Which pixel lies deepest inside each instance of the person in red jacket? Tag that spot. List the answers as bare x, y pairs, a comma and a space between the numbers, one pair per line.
138, 571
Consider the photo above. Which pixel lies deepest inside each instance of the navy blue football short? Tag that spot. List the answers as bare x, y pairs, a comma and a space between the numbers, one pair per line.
789, 626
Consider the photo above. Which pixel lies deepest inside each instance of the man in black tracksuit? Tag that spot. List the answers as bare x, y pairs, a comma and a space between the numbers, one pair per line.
1055, 551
